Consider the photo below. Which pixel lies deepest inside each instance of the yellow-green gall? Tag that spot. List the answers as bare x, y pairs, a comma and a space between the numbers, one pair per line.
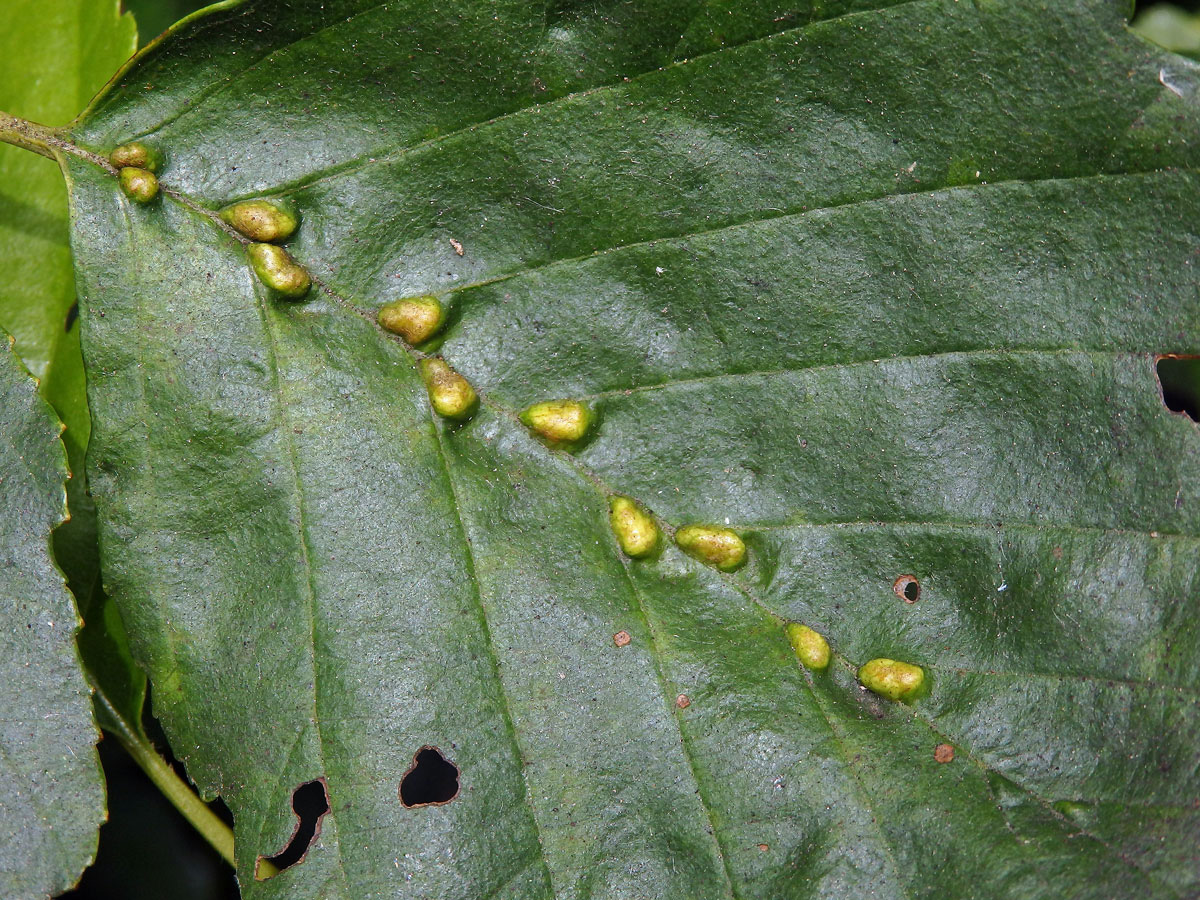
811, 647
138, 184
276, 269
635, 530
269, 221
560, 421
136, 155
710, 544
892, 679
450, 394
416, 319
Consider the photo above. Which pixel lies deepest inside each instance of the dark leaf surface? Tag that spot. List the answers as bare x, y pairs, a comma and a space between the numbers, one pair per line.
882, 290
52, 800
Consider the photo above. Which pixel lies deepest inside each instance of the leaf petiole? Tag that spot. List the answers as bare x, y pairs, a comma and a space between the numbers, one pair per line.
21, 133
174, 788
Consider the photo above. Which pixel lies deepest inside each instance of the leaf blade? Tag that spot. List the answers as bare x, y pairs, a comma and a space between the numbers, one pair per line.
980, 388
53, 802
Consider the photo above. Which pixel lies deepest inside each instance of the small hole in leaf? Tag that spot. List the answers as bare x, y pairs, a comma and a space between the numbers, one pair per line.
431, 780
310, 802
1179, 383
907, 588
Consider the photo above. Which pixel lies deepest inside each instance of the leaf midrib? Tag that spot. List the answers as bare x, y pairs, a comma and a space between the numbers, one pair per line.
284, 426
472, 574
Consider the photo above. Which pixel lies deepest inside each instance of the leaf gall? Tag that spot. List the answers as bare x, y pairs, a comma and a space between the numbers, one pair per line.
136, 155
892, 679
719, 547
416, 319
811, 647
276, 269
451, 395
635, 530
139, 185
559, 421
907, 588
268, 221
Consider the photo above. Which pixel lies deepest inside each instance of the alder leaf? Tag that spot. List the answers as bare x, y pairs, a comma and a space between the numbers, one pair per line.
882, 291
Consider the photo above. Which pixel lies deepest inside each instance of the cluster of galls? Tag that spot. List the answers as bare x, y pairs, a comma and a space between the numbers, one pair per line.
136, 164
266, 223
564, 423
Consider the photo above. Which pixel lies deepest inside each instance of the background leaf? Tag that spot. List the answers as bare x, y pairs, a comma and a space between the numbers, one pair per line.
1171, 27
53, 798
881, 289
54, 57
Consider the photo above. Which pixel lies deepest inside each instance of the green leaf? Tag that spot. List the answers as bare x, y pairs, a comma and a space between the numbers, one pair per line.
1170, 27
53, 798
54, 57
881, 291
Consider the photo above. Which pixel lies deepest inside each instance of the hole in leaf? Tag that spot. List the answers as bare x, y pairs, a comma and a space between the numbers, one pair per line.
1179, 383
431, 780
310, 802
907, 588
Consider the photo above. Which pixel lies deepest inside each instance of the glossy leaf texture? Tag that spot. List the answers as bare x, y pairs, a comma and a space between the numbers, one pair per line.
879, 290
55, 55
52, 800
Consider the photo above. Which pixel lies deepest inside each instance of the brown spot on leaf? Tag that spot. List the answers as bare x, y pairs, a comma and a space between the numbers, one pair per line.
458, 247
622, 638
943, 753
683, 701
